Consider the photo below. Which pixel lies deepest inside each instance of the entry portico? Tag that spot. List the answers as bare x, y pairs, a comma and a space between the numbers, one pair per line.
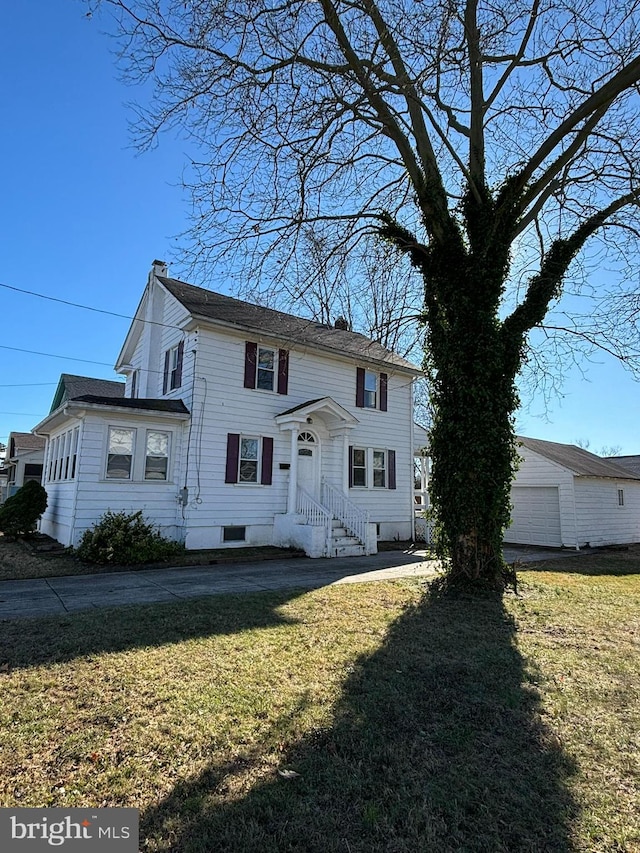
308, 423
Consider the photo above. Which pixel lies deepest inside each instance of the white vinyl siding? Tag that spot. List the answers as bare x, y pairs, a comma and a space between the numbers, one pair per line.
228, 407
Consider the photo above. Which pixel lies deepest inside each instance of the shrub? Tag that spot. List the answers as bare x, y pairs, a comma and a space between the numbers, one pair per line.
20, 512
125, 539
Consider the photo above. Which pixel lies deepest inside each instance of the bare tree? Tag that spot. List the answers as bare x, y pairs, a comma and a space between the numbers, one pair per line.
488, 143
605, 450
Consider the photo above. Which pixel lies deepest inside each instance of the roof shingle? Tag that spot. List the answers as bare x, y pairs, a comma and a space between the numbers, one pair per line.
580, 461
286, 327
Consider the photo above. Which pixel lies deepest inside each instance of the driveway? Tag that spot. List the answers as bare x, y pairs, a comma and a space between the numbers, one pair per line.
56, 596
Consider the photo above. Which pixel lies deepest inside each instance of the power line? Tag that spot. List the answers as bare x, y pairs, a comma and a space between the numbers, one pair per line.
27, 384
54, 355
22, 414
86, 307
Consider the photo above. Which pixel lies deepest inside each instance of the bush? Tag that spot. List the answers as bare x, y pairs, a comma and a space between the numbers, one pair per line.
125, 539
20, 512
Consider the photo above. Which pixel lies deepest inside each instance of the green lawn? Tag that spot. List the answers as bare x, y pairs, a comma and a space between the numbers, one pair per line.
415, 723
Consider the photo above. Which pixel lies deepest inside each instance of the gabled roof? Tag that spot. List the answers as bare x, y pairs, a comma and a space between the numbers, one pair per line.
23, 442
71, 386
629, 463
335, 415
216, 307
579, 461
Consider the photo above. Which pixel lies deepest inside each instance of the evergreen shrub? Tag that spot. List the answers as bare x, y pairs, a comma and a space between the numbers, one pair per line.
124, 538
20, 512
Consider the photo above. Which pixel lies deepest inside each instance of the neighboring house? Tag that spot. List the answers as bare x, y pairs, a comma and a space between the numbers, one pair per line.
565, 496
70, 387
23, 461
629, 463
240, 425
4, 480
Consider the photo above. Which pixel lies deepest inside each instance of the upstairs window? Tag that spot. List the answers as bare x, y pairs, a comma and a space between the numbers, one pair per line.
134, 384
173, 368
620, 497
266, 373
266, 368
371, 389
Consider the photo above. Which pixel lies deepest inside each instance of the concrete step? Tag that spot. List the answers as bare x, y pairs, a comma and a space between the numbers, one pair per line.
347, 550
337, 541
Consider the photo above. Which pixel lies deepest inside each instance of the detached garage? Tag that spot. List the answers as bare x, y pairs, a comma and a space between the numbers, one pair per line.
564, 496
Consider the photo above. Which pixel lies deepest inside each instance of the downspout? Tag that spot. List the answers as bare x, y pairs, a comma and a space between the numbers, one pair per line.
575, 513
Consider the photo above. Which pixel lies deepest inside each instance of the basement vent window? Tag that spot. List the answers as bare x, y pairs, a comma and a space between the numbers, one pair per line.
234, 534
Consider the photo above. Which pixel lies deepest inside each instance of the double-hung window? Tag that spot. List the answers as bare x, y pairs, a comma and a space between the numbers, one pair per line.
249, 459
371, 389
120, 449
134, 453
266, 368
379, 469
173, 358
248, 462
156, 463
266, 372
372, 468
359, 467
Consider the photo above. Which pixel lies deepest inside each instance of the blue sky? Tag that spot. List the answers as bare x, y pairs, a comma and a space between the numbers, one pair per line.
82, 216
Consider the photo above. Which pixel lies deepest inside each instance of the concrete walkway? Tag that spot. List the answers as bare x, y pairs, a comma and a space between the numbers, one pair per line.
26, 599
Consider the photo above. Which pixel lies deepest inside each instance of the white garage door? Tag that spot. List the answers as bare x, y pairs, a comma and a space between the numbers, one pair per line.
536, 516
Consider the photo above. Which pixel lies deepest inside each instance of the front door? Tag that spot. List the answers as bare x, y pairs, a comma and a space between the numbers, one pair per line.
309, 463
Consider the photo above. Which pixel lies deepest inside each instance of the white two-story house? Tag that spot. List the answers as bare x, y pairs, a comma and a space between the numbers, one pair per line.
239, 425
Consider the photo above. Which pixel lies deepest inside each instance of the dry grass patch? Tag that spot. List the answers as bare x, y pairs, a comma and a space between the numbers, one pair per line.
414, 723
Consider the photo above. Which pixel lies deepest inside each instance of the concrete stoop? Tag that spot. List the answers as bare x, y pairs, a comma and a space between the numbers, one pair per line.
343, 544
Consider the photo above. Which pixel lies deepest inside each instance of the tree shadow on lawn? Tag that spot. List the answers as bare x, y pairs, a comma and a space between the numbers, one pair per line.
437, 744
55, 639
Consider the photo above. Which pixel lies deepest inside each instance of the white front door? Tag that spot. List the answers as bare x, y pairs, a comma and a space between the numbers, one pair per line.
309, 463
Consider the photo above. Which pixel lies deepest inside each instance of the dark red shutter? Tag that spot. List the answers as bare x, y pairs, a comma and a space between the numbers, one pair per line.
283, 371
360, 387
250, 359
233, 453
165, 381
350, 467
267, 461
383, 392
179, 364
391, 462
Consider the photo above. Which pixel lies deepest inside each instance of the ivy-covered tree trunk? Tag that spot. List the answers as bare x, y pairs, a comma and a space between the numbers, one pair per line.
474, 400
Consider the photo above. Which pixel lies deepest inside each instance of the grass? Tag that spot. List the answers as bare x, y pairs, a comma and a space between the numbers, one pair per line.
414, 722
